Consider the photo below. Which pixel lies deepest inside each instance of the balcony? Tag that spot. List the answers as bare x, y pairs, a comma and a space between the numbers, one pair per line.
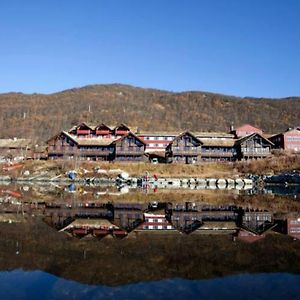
94, 153
62, 151
258, 152
121, 132
78, 152
217, 154
103, 132
186, 151
83, 131
129, 152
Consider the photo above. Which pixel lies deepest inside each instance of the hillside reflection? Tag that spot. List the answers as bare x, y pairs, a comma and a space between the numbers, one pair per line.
99, 238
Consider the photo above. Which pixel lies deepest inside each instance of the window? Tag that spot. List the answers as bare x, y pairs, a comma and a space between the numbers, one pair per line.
293, 138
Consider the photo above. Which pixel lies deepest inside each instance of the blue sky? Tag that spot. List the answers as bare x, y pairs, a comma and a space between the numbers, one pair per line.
236, 47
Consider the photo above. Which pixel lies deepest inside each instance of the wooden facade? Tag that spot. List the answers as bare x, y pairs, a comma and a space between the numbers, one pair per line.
99, 131
13, 149
103, 142
293, 227
157, 141
187, 217
288, 140
67, 146
155, 221
185, 148
129, 215
253, 146
218, 149
129, 148
257, 220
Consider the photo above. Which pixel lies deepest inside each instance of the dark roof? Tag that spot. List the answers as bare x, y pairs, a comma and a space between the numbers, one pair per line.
217, 142
186, 133
85, 141
247, 137
16, 143
130, 134
288, 130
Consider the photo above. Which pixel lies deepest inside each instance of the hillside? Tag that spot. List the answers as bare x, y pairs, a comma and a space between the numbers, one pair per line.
41, 116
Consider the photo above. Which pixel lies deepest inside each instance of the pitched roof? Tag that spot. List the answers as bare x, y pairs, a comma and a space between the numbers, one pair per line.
90, 223
158, 133
247, 126
15, 143
102, 124
200, 135
122, 125
186, 133
217, 142
247, 137
288, 130
127, 135
89, 141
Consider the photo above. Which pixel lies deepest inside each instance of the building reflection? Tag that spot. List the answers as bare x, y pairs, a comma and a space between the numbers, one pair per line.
122, 219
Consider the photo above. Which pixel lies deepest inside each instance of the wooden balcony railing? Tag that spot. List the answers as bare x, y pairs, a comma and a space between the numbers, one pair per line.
129, 152
78, 152
255, 152
217, 154
103, 132
94, 153
186, 151
83, 131
121, 132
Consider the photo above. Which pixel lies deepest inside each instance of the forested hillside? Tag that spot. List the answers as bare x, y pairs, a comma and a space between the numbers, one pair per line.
41, 116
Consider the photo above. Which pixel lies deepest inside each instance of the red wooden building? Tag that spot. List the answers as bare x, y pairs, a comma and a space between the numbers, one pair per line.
157, 141
102, 130
293, 227
155, 221
249, 236
288, 140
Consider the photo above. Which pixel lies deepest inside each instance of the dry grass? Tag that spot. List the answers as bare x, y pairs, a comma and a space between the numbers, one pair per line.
274, 164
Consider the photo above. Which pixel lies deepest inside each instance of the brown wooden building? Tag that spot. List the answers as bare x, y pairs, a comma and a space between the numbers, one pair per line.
129, 148
185, 148
68, 146
16, 149
253, 146
218, 149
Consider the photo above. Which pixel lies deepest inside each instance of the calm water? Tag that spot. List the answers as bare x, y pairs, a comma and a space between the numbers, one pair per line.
20, 284
202, 257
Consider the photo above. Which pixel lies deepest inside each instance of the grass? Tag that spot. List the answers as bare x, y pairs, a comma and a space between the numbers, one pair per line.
275, 164
272, 165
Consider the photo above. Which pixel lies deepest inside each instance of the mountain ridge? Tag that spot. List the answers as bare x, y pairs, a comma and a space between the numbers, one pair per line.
40, 116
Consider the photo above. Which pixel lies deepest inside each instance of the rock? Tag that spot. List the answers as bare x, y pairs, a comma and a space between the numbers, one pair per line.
5, 178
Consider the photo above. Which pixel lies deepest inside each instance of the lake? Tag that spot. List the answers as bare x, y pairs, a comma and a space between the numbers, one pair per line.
98, 243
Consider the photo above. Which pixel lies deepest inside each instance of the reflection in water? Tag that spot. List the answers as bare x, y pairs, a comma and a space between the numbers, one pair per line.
41, 285
143, 243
